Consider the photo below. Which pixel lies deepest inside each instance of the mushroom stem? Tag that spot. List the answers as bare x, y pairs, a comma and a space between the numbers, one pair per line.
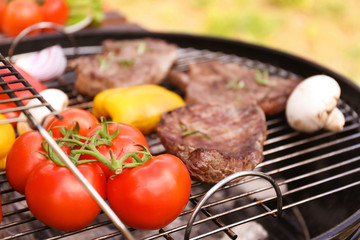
335, 121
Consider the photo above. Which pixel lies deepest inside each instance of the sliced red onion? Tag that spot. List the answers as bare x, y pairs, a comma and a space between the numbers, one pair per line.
44, 65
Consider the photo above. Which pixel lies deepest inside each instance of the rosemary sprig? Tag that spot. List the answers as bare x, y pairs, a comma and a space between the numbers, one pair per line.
186, 132
262, 77
104, 64
236, 84
142, 48
126, 62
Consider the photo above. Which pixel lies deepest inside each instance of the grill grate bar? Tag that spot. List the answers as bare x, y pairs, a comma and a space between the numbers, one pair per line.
311, 160
91, 227
27, 107
316, 183
15, 212
300, 177
324, 194
276, 130
25, 233
236, 209
254, 218
14, 200
293, 134
217, 221
20, 222
20, 89
19, 99
310, 149
352, 120
274, 121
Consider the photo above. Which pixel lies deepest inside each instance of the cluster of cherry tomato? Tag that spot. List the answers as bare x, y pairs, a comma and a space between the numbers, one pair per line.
147, 196
16, 15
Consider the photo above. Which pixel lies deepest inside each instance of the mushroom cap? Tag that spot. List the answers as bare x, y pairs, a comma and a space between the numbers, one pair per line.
311, 103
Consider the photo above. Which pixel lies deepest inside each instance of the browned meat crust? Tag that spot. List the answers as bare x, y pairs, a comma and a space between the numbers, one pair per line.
217, 82
229, 138
124, 63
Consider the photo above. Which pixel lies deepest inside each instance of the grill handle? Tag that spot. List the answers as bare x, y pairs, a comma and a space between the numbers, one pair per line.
41, 25
225, 181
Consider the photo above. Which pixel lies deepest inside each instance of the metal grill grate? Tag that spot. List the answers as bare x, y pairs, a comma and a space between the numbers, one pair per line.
11, 83
307, 168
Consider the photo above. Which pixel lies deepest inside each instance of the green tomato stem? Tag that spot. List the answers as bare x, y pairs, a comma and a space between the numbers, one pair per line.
88, 145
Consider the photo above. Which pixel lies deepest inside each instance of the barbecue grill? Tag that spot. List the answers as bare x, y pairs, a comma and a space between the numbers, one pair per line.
317, 174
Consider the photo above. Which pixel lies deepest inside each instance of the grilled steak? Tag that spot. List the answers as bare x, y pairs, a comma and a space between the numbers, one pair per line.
215, 141
124, 63
217, 82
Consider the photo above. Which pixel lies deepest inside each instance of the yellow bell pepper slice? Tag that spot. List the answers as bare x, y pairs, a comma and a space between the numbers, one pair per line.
7, 138
140, 106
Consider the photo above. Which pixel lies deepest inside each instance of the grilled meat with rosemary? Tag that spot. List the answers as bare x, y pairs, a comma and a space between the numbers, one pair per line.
218, 82
124, 63
215, 141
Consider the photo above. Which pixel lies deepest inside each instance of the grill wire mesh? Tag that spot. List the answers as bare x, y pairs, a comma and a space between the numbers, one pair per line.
306, 167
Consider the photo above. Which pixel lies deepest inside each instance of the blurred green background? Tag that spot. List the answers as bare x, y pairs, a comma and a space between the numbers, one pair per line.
324, 31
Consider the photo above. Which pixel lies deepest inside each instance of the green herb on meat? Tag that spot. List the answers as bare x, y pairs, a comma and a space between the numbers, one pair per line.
262, 77
126, 62
187, 132
104, 65
236, 84
142, 48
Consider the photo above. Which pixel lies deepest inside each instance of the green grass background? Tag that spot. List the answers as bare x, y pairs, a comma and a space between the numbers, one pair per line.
324, 31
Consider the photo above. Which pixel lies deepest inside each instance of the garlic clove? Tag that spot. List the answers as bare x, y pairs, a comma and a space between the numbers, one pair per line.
55, 97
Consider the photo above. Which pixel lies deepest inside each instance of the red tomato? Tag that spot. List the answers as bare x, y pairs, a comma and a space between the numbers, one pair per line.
126, 141
20, 14
152, 195
58, 199
33, 82
56, 11
22, 158
85, 119
2, 8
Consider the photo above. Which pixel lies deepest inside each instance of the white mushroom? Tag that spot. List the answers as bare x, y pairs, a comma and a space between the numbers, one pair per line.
312, 105
55, 97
